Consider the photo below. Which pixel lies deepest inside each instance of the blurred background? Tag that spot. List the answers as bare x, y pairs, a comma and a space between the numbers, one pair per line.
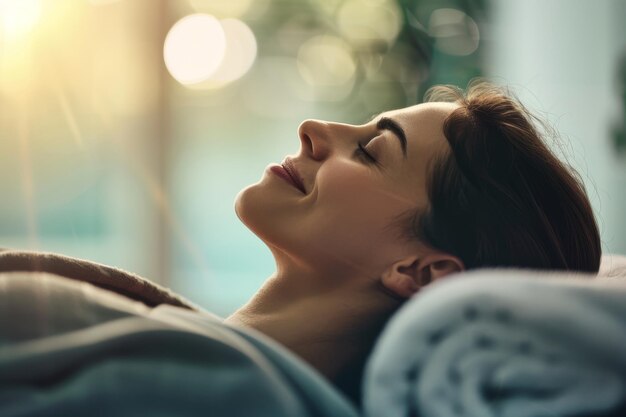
127, 127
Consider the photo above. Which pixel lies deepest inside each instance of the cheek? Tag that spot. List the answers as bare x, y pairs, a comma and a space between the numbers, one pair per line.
357, 193
350, 192
353, 212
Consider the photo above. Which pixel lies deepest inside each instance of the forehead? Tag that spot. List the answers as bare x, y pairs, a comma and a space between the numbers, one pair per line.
423, 123
427, 115
423, 127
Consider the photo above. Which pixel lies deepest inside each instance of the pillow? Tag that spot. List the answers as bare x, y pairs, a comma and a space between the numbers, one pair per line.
505, 342
612, 266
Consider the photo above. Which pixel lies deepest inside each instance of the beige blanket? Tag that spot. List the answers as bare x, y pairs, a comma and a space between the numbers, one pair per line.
107, 277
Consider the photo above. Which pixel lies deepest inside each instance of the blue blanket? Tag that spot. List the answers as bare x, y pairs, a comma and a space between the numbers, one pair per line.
71, 349
504, 343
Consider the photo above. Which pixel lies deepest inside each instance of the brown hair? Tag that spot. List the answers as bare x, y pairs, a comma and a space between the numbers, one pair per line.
498, 196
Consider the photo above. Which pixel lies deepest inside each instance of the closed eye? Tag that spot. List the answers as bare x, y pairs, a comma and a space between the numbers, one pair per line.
362, 153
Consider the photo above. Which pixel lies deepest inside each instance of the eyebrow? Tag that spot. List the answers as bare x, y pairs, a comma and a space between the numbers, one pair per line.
386, 123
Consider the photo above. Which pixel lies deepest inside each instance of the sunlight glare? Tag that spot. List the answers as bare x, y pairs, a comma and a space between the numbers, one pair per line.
194, 48
18, 18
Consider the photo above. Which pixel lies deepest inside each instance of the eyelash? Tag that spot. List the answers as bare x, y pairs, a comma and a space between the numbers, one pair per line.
364, 154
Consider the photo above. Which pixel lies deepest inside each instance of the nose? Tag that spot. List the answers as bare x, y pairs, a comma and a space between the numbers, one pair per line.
314, 138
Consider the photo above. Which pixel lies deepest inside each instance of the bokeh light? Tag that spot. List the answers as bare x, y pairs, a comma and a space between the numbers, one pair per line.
325, 60
241, 48
18, 17
370, 23
455, 32
194, 48
328, 6
230, 8
325, 63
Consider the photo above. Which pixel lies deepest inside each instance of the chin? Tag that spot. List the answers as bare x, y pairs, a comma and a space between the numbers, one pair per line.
260, 210
253, 210
243, 204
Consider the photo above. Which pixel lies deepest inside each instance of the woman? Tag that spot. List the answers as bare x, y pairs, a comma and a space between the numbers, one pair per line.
364, 216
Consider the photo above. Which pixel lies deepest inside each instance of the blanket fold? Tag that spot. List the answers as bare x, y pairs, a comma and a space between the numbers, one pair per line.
71, 349
113, 279
504, 343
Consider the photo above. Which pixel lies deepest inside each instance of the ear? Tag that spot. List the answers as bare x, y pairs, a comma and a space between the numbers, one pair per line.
404, 278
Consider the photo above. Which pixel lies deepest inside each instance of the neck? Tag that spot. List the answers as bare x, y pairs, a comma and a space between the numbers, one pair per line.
331, 328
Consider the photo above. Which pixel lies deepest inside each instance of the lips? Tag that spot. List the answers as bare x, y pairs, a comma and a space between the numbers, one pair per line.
289, 173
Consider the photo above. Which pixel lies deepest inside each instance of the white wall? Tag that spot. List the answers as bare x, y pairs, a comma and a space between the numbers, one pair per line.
560, 56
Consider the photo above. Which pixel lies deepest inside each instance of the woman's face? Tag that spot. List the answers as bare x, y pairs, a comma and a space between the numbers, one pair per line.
341, 217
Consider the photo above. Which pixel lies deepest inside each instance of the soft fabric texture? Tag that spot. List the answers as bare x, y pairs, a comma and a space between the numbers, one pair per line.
505, 343
612, 266
68, 348
128, 284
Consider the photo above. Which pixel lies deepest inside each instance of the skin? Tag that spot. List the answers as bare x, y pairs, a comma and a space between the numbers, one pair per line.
342, 265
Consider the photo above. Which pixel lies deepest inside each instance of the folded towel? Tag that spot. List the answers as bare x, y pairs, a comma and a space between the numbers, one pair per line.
113, 279
506, 343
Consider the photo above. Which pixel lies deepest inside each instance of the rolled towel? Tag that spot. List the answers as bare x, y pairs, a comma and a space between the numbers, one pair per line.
505, 343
